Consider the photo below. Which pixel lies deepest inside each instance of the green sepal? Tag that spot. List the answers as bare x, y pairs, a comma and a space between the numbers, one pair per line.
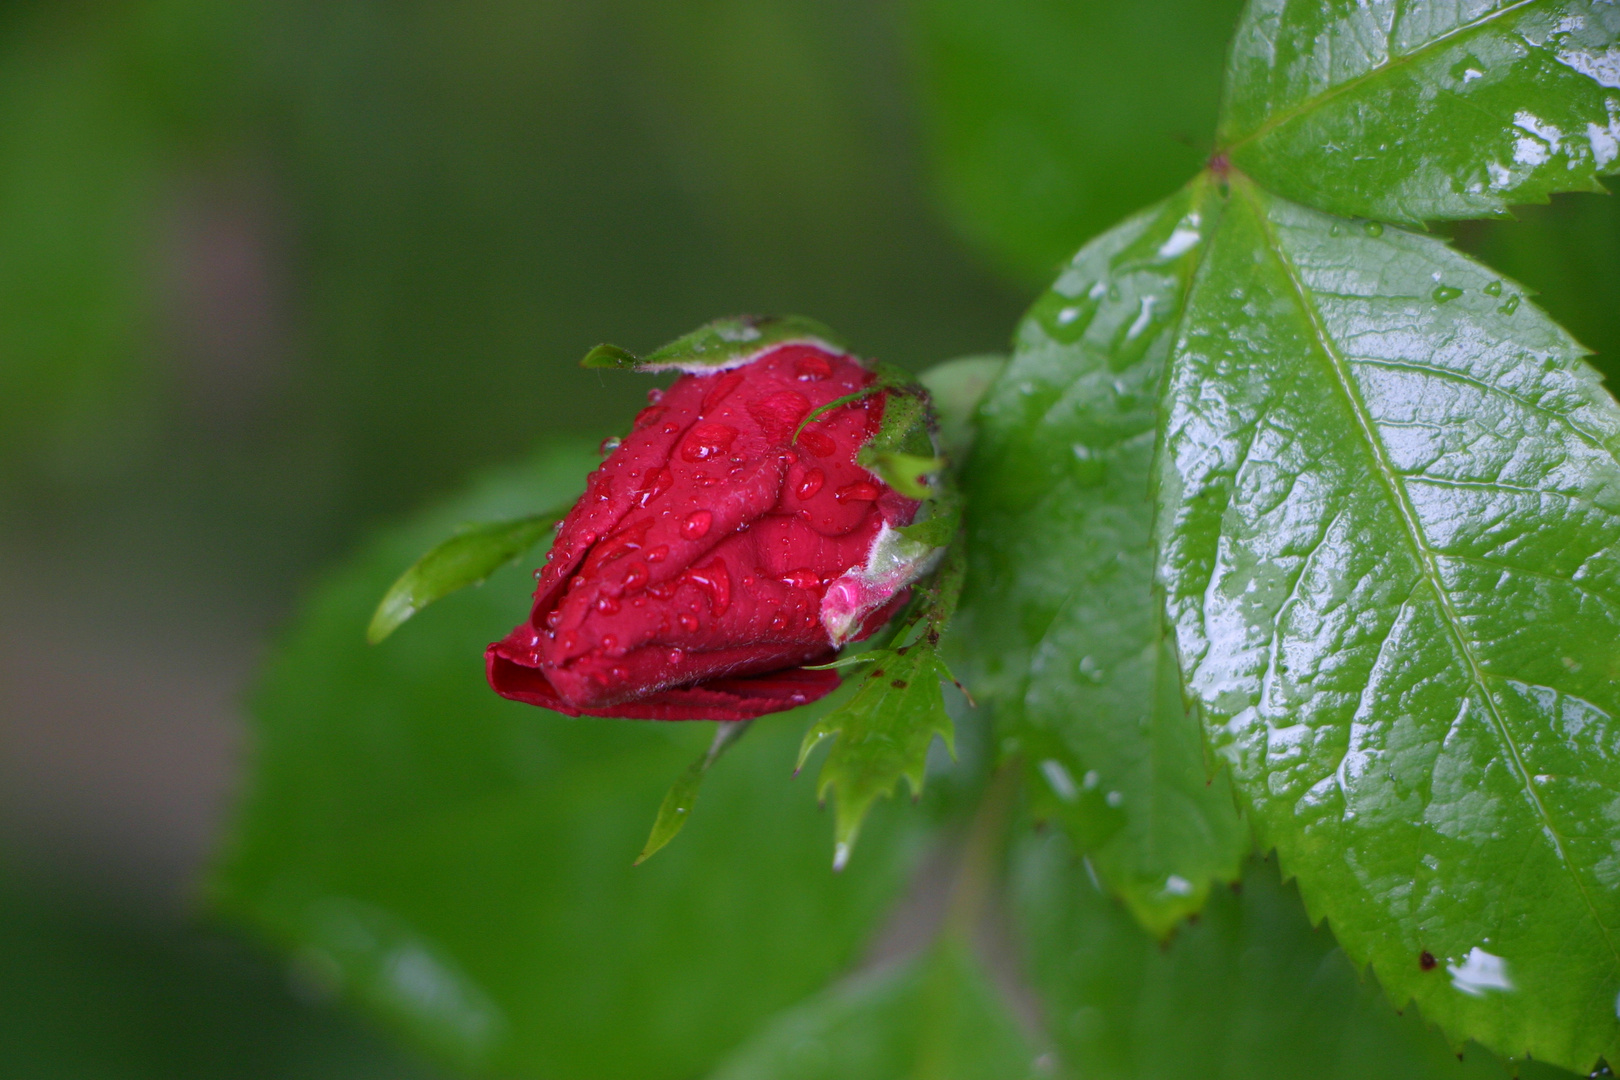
905, 473
676, 808
465, 559
724, 343
884, 730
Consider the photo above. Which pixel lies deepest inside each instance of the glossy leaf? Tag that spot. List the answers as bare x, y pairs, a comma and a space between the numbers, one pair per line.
1060, 612
1390, 533
935, 1016
1049, 121
724, 343
1415, 111
957, 386
460, 865
467, 558
676, 809
1251, 992
884, 731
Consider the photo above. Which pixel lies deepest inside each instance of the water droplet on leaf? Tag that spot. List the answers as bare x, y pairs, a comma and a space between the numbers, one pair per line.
1445, 294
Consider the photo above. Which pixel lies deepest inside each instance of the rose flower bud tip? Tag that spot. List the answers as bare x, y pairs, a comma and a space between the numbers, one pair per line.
719, 549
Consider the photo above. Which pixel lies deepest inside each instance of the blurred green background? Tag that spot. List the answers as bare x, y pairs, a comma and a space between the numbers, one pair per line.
272, 273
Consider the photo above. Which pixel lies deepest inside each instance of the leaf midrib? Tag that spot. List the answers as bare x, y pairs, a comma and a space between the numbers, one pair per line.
1277, 120
1415, 536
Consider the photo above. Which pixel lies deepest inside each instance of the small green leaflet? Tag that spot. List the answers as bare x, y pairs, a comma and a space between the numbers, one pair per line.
465, 559
1415, 111
723, 343
885, 730
677, 806
1389, 529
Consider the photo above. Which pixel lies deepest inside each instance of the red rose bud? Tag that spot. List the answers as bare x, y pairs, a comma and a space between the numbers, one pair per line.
714, 554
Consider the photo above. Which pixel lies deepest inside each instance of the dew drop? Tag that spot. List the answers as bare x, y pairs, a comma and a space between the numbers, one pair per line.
670, 428
1445, 294
813, 368
716, 581
707, 440
1334, 230
635, 576
621, 673
1494, 288
688, 621
649, 416
658, 554
654, 396
576, 582
607, 605
696, 525
1372, 228
675, 656
608, 445
779, 622
569, 641
553, 617
609, 642
802, 579
810, 484
658, 480
1510, 305
860, 491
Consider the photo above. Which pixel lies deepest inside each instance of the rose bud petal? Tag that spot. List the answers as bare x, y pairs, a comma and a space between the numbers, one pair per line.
719, 549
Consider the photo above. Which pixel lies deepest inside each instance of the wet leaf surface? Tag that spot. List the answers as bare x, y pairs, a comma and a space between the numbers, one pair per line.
1416, 111
1064, 628
1390, 530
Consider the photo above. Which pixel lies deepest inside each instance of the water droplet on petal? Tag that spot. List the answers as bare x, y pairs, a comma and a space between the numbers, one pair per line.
657, 481
635, 576
696, 525
813, 369
649, 416
658, 554
607, 605
654, 396
688, 621
569, 641
608, 445
810, 484
707, 440
802, 579
1445, 294
675, 656
860, 491
716, 581
553, 617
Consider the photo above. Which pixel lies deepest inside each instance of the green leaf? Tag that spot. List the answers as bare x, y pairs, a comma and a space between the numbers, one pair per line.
724, 343
461, 864
1390, 532
1251, 992
937, 1016
1049, 122
883, 733
884, 730
467, 558
1414, 111
1065, 634
676, 809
